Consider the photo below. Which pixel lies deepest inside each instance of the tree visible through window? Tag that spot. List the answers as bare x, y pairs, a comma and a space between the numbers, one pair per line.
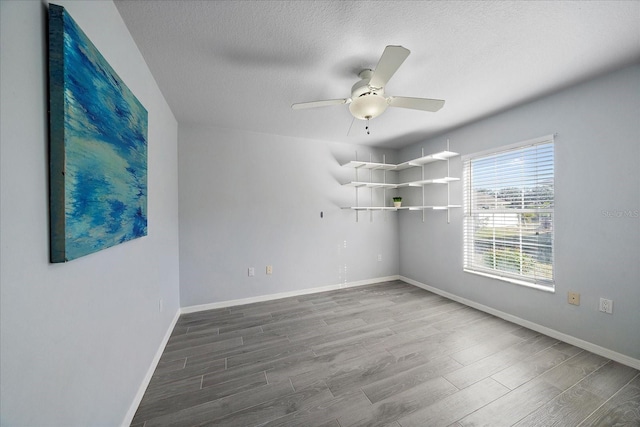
508, 206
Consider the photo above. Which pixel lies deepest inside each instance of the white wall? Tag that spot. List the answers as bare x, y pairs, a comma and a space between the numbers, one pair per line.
77, 339
597, 158
251, 200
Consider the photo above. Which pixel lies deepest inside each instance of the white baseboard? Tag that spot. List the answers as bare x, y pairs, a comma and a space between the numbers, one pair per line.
145, 382
585, 345
261, 298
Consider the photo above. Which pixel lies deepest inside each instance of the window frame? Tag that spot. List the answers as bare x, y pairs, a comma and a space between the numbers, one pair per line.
469, 241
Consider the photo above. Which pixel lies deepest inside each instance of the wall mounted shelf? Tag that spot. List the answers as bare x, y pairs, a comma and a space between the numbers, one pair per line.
366, 184
370, 165
423, 182
360, 184
405, 208
388, 167
443, 155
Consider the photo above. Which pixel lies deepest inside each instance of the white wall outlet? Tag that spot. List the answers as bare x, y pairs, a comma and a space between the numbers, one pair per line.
606, 305
160, 305
573, 298
251, 271
269, 269
379, 257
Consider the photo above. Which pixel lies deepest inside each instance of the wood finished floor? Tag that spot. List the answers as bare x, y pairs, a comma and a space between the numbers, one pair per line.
388, 354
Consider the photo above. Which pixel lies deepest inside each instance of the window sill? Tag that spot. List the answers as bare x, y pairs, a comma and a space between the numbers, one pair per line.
513, 281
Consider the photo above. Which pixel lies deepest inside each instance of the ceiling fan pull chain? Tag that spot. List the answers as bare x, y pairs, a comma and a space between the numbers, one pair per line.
367, 127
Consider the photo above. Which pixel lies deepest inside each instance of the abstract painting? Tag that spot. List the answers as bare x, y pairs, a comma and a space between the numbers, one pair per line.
97, 148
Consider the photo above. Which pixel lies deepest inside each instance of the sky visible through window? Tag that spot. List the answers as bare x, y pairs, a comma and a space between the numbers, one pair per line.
514, 172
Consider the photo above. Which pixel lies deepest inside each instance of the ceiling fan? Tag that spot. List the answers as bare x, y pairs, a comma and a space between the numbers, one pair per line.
367, 95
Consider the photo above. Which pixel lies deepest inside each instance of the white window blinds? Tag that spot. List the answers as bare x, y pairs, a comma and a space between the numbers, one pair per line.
508, 213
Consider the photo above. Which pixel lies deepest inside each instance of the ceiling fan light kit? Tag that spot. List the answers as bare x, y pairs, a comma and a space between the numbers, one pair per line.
367, 102
368, 106
367, 99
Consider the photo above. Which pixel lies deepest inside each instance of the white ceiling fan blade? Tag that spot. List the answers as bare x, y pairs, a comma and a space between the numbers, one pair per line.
423, 104
390, 61
314, 104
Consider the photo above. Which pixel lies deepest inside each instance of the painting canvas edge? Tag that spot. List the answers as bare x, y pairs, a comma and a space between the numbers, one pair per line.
56, 135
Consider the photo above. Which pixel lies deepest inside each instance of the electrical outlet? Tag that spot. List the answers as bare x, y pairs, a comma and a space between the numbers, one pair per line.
379, 257
160, 305
269, 269
251, 271
573, 298
606, 305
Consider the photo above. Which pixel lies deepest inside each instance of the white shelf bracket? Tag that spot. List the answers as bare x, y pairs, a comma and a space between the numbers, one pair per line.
423, 189
384, 189
371, 189
448, 192
356, 189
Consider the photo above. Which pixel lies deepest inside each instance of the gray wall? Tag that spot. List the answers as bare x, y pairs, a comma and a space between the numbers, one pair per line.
251, 200
77, 339
597, 158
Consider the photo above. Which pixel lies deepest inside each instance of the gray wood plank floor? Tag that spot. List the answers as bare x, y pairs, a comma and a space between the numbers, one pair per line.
388, 354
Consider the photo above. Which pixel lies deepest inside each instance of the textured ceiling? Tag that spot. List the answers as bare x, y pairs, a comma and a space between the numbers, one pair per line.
241, 64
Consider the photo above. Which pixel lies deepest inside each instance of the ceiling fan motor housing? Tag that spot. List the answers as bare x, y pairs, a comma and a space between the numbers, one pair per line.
367, 102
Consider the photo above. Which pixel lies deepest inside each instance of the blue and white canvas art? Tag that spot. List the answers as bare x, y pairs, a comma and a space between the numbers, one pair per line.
97, 150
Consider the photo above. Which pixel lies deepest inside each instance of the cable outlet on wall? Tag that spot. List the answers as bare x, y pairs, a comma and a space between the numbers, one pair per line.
606, 305
269, 269
573, 298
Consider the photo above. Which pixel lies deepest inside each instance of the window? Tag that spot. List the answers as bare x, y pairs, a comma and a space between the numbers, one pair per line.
508, 213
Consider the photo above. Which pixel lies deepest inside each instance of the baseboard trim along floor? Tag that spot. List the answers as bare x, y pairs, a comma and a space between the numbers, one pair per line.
147, 378
280, 295
569, 339
585, 345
